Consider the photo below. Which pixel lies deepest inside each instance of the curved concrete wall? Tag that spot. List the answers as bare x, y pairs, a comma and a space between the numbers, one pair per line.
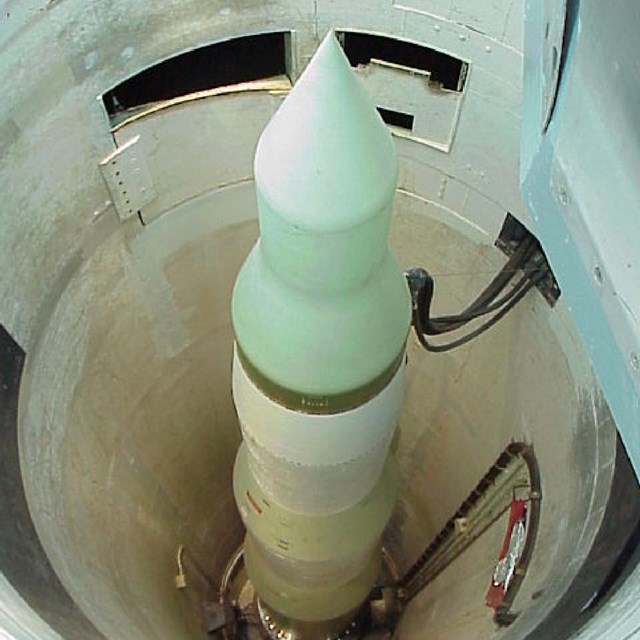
127, 431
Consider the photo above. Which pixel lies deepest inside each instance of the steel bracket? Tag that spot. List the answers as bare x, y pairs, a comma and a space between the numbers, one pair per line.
128, 179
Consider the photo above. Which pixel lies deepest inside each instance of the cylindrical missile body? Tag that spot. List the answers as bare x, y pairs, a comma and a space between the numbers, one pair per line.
321, 313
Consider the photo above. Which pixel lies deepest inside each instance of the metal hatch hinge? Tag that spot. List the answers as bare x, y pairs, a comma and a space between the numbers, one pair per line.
128, 179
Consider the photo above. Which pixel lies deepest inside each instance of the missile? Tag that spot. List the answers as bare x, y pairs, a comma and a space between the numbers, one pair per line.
321, 313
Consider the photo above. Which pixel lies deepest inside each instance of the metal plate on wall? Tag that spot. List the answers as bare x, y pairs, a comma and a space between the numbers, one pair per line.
128, 178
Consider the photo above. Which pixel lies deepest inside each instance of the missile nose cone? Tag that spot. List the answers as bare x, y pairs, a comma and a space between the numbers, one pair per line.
333, 306
326, 161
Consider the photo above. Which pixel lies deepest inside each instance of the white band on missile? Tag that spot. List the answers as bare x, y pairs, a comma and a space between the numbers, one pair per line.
316, 440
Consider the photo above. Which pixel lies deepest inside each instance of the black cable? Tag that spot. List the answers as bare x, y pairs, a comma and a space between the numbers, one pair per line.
446, 324
516, 261
488, 309
439, 348
483, 303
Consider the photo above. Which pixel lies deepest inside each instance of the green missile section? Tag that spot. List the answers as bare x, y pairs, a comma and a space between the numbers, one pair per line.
321, 306
313, 568
309, 604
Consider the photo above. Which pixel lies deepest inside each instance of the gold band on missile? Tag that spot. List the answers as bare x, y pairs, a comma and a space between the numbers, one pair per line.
319, 404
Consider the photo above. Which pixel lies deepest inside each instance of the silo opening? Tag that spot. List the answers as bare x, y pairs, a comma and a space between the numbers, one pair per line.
129, 455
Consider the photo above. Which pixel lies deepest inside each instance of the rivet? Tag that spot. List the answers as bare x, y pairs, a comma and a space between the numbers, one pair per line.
462, 37
635, 361
436, 27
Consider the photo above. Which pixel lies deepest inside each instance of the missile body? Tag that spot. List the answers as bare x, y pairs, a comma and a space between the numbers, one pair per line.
321, 313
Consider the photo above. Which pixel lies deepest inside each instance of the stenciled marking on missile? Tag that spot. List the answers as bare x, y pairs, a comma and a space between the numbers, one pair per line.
283, 544
253, 502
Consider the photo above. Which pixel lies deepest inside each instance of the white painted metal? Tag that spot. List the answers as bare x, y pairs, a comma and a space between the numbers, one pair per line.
435, 110
316, 464
316, 439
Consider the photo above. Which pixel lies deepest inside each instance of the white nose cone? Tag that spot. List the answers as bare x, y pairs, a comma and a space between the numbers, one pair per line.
321, 307
326, 161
